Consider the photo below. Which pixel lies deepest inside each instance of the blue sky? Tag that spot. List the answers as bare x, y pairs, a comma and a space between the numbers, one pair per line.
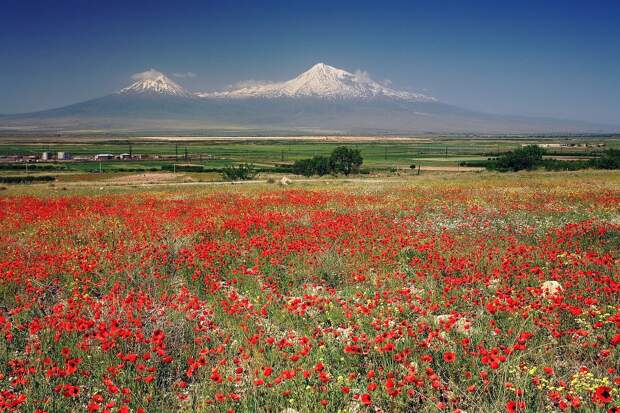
543, 58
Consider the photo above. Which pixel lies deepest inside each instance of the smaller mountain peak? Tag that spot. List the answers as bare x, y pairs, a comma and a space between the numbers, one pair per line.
153, 82
324, 68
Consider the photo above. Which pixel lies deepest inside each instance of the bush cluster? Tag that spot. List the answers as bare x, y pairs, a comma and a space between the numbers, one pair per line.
342, 160
241, 172
182, 168
609, 160
32, 167
531, 157
26, 179
527, 157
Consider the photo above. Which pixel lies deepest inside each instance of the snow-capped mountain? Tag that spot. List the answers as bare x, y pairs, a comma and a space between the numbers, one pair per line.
153, 82
321, 81
322, 100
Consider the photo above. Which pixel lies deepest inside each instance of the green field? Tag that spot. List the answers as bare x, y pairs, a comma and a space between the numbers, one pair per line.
383, 157
380, 153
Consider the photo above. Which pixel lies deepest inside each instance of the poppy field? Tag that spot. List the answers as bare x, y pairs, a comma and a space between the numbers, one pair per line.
472, 294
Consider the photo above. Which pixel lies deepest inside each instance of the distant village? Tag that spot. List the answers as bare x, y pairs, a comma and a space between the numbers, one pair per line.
61, 156
568, 145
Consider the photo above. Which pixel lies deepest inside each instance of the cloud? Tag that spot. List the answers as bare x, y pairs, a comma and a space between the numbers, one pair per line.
362, 76
250, 83
150, 74
183, 75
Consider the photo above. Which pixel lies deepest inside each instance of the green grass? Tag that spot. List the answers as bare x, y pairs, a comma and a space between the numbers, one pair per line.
377, 154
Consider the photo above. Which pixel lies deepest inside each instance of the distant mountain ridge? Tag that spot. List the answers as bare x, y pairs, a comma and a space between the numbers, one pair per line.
321, 100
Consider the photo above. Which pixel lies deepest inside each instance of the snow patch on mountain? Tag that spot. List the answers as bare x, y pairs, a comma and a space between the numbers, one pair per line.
320, 81
153, 82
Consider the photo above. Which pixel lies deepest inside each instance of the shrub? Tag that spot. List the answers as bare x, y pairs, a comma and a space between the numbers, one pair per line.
31, 167
317, 165
527, 157
560, 165
488, 163
342, 160
303, 167
183, 168
345, 160
26, 179
530, 157
241, 172
609, 160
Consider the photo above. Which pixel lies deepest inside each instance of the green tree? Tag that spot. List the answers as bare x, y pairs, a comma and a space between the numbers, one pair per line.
527, 157
609, 160
318, 165
321, 165
241, 172
345, 160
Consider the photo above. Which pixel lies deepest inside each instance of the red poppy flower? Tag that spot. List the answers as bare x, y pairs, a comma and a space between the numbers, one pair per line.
365, 399
449, 357
426, 357
602, 395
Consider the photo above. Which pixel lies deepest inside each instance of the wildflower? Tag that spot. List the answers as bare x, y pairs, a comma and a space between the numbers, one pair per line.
449, 357
602, 395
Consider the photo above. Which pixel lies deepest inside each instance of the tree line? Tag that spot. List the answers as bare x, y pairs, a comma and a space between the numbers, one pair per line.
532, 156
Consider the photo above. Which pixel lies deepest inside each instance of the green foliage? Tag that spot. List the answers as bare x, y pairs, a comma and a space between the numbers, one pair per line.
527, 157
183, 168
345, 160
486, 163
31, 167
530, 157
560, 165
241, 172
342, 160
609, 160
317, 165
26, 179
